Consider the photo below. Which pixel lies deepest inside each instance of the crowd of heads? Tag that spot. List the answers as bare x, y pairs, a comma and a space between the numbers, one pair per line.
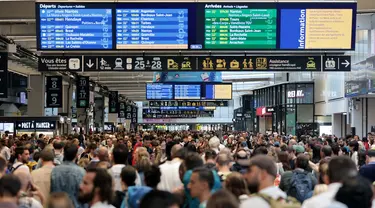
163, 169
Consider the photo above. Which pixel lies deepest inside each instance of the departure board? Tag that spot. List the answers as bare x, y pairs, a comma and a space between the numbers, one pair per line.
74, 27
240, 28
138, 28
182, 92
159, 92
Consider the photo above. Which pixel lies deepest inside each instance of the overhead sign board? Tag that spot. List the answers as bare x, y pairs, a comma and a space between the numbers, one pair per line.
316, 28
260, 63
121, 110
196, 63
113, 101
337, 63
158, 104
189, 91
74, 26
3, 75
122, 63
60, 63
196, 26
32, 125
83, 92
134, 117
128, 112
54, 91
243, 27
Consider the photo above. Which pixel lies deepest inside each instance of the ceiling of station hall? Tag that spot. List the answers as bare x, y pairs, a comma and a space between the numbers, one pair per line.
17, 22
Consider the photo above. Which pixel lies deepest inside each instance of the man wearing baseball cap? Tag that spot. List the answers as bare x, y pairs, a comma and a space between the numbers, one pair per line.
260, 178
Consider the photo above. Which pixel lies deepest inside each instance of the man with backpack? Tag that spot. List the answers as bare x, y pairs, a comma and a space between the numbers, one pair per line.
260, 177
21, 159
299, 183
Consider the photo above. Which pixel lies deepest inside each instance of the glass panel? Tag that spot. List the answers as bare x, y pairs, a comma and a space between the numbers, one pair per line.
291, 121
304, 93
305, 113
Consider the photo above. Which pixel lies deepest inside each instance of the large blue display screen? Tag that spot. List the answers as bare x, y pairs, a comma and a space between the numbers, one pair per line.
151, 28
74, 27
196, 26
182, 92
159, 91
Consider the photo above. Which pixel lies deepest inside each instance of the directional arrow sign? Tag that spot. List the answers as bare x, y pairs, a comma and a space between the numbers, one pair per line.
337, 63
346, 63
90, 64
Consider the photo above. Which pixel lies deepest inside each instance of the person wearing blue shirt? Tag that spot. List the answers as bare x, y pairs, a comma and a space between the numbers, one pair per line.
368, 170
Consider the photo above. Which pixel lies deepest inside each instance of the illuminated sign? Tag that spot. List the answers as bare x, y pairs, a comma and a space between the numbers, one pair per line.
316, 29
141, 28
159, 91
295, 94
242, 27
195, 63
196, 26
74, 26
29, 125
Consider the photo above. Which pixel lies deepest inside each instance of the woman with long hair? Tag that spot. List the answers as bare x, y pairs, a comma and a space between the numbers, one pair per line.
142, 162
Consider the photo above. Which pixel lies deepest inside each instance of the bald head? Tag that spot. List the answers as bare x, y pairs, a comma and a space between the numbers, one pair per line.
103, 154
175, 149
292, 142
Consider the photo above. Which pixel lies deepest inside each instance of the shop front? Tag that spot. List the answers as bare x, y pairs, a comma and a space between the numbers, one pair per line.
285, 108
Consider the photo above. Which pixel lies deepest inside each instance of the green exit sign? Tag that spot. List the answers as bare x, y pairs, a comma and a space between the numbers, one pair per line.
82, 103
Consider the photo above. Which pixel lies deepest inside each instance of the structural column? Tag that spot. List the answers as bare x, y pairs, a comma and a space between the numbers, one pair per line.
36, 95
67, 104
99, 112
337, 125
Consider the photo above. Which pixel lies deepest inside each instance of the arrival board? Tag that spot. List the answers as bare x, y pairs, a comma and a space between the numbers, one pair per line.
240, 28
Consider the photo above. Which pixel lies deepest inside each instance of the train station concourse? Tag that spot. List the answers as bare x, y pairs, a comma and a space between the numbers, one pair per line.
191, 104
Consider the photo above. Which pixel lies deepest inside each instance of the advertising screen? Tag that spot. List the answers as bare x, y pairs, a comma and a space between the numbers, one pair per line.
159, 91
74, 26
242, 27
316, 28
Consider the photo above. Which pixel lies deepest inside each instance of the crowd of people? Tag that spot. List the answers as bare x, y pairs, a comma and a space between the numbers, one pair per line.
186, 169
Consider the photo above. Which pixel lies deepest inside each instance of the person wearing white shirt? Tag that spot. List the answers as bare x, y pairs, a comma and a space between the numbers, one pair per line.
4, 150
96, 189
22, 158
170, 176
119, 158
340, 168
260, 178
